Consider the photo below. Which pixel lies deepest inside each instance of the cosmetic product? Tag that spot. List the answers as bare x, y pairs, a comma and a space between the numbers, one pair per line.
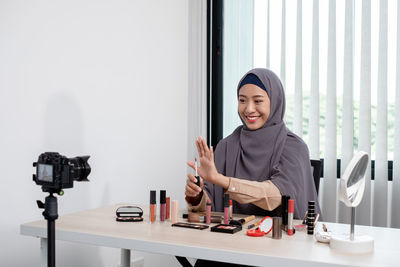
243, 220
190, 225
226, 228
284, 214
153, 205
230, 209
208, 212
196, 175
310, 217
300, 227
163, 205
226, 208
277, 229
195, 218
174, 211
290, 216
168, 208
264, 228
253, 225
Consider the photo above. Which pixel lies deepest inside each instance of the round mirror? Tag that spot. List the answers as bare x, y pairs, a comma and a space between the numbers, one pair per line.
266, 225
351, 191
352, 183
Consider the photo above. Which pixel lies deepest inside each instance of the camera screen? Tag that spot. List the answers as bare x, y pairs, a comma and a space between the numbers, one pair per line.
45, 173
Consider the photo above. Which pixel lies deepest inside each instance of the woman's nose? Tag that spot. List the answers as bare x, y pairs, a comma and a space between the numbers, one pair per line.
250, 107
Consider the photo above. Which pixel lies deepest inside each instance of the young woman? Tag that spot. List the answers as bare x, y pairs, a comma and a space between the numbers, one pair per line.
260, 161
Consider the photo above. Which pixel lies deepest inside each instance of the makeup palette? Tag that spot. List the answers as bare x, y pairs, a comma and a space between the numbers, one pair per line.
226, 228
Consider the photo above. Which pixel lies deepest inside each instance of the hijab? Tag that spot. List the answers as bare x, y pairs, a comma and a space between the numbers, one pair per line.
271, 152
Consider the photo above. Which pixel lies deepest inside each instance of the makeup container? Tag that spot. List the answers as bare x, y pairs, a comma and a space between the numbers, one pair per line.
163, 205
174, 211
284, 213
153, 205
290, 216
277, 229
168, 207
208, 212
310, 217
230, 209
226, 208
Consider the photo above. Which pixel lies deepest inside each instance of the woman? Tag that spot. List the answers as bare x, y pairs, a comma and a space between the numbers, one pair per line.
260, 161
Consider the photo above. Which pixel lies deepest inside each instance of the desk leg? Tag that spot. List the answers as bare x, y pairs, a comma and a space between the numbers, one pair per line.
43, 251
125, 257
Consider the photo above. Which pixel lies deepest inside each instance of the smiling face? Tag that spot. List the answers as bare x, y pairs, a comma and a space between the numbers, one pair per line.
254, 106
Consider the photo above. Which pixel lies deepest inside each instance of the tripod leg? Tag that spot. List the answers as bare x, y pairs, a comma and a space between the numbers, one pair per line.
43, 252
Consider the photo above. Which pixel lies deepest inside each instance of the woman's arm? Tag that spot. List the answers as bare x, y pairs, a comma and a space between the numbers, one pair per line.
263, 194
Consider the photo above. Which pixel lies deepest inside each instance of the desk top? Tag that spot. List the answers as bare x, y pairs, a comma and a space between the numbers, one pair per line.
99, 227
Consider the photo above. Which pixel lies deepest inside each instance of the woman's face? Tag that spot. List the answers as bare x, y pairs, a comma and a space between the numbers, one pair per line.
254, 106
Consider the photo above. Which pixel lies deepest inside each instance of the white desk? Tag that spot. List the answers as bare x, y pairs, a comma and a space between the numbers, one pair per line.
98, 227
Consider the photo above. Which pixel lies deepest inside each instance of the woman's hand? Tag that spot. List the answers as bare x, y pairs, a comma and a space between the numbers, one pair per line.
207, 169
192, 190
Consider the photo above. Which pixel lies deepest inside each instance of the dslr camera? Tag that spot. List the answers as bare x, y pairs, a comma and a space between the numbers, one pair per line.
55, 172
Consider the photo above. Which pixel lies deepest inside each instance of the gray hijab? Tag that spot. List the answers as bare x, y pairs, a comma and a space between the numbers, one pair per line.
269, 153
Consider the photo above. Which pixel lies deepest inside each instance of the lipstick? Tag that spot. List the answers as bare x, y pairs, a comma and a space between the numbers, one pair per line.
168, 207
153, 204
163, 206
226, 208
196, 175
208, 212
290, 216
174, 211
230, 209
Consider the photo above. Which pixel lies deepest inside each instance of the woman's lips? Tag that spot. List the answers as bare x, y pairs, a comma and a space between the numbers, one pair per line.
252, 119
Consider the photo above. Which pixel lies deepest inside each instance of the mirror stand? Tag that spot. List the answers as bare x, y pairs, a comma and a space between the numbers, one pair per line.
352, 222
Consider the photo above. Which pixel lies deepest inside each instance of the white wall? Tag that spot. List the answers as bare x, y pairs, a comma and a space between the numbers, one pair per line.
103, 78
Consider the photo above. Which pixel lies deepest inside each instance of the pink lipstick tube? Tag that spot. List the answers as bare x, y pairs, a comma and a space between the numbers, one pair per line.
226, 208
208, 212
163, 205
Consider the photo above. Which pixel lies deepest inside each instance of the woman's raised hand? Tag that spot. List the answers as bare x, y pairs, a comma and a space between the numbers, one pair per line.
207, 169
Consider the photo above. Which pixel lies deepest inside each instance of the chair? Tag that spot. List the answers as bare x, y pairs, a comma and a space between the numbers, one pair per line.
317, 170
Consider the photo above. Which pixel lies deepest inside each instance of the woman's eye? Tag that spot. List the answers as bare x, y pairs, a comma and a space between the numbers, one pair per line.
258, 101
242, 100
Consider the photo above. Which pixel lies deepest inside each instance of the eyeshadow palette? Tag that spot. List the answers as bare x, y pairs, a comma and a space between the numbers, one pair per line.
226, 228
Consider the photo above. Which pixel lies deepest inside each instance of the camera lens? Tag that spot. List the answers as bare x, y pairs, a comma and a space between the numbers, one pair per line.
80, 167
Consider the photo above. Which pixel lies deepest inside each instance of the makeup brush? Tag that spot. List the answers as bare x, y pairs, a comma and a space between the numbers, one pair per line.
242, 221
194, 217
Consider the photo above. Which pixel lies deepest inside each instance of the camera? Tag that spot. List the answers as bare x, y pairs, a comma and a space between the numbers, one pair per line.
55, 172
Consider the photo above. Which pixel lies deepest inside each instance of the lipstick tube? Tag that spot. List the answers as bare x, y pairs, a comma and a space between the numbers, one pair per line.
153, 204
163, 205
230, 209
208, 212
290, 216
226, 208
168, 207
174, 211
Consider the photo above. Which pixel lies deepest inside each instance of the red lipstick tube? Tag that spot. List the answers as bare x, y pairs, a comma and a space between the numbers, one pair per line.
153, 204
290, 216
226, 208
168, 207
163, 205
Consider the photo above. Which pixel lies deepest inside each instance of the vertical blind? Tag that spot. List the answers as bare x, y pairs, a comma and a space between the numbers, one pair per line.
336, 67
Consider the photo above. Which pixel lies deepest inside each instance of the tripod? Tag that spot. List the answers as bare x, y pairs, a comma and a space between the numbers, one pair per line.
50, 214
